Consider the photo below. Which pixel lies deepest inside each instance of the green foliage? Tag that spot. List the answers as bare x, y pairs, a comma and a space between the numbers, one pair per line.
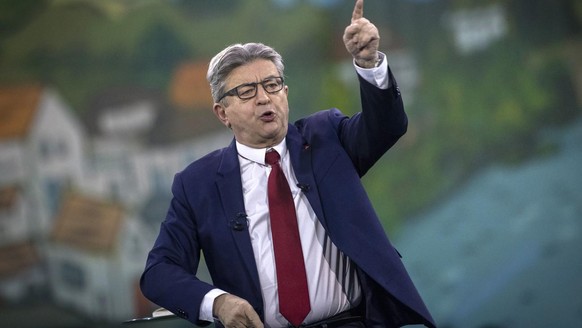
14, 14
81, 47
472, 110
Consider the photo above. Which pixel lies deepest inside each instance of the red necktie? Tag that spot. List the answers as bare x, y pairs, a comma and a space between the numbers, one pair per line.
291, 277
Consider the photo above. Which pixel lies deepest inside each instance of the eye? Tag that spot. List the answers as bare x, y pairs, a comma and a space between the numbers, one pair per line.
246, 91
272, 85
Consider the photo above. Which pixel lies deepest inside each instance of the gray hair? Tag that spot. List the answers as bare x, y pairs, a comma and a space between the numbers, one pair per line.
235, 56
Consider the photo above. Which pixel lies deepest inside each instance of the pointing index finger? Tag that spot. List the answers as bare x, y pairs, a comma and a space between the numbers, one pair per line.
358, 10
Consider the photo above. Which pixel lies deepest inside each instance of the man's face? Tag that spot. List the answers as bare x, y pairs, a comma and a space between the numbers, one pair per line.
260, 121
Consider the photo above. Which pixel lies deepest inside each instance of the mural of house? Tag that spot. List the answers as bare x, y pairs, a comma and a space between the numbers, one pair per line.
139, 141
475, 29
118, 122
81, 200
41, 155
95, 257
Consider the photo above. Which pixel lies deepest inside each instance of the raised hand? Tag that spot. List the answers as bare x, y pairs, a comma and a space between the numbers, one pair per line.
361, 38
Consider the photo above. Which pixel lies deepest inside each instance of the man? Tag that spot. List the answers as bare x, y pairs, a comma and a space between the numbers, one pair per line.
288, 233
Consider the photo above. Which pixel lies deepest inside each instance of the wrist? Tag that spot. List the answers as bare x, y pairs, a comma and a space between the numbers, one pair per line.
370, 63
218, 302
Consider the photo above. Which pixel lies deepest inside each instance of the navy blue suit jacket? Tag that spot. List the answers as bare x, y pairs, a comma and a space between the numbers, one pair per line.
329, 153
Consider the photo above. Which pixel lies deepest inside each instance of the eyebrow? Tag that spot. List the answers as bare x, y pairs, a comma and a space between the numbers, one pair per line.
265, 79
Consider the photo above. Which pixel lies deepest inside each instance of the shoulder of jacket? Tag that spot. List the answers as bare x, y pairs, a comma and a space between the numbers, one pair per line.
332, 116
205, 164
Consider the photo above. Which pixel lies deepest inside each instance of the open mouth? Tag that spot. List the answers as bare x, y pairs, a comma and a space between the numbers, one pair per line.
268, 116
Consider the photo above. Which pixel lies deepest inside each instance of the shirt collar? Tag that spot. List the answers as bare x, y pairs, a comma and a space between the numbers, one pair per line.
258, 154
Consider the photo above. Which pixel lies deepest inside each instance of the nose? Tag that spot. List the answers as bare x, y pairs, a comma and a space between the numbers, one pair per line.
262, 96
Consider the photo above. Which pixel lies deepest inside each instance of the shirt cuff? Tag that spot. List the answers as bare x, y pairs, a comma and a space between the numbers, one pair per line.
208, 303
377, 76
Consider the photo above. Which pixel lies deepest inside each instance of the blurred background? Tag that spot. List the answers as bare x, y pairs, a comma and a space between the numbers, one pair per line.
102, 101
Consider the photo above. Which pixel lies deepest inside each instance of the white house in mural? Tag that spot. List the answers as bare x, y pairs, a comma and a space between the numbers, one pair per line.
118, 122
84, 201
139, 141
41, 155
475, 29
95, 257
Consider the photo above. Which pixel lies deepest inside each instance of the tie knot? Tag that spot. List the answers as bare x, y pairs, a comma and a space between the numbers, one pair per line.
272, 157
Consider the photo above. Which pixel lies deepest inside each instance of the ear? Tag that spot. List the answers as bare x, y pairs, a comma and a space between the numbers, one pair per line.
220, 113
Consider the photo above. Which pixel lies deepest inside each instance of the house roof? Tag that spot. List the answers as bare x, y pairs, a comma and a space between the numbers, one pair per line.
189, 88
17, 257
178, 125
115, 100
185, 112
88, 223
190, 114
18, 105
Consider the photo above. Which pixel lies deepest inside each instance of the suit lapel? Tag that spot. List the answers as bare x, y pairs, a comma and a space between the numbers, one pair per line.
301, 152
230, 189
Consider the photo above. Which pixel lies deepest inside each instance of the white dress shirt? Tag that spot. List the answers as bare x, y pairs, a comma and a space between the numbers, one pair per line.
327, 290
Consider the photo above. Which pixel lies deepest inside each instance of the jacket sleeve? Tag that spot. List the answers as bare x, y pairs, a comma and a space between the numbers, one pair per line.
169, 279
367, 135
